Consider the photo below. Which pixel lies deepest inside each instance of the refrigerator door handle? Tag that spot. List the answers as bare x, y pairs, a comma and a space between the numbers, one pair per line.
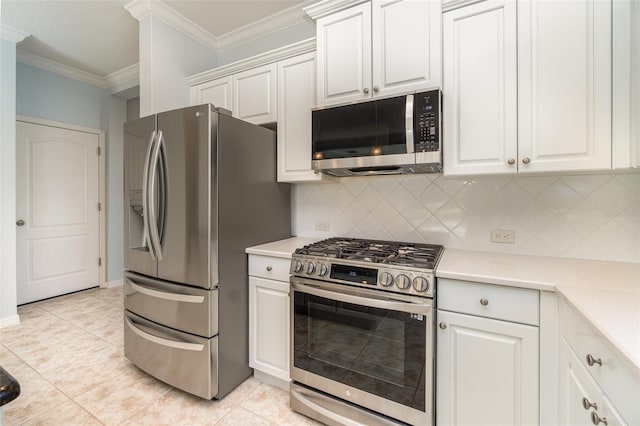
145, 197
153, 217
164, 342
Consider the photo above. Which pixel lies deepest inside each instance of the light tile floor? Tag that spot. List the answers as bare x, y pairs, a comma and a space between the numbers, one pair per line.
67, 354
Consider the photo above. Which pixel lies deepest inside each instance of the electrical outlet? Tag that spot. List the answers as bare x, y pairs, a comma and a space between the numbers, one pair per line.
503, 236
323, 225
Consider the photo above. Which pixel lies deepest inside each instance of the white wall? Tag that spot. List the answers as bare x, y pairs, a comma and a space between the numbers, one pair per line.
579, 216
167, 58
8, 298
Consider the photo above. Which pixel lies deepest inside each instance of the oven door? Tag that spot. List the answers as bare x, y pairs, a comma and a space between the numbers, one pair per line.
367, 347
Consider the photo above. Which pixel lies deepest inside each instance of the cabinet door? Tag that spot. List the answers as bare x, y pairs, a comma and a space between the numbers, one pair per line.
296, 97
217, 92
480, 89
269, 326
564, 85
254, 95
405, 45
344, 55
487, 371
575, 387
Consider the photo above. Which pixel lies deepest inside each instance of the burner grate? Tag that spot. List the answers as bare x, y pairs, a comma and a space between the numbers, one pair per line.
375, 251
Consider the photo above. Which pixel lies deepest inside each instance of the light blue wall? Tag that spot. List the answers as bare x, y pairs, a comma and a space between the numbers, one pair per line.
292, 34
43, 94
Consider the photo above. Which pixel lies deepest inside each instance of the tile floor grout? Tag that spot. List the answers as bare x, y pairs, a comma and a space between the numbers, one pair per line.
62, 332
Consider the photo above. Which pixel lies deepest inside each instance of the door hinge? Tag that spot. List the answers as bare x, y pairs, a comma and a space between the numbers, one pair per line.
99, 151
99, 261
99, 207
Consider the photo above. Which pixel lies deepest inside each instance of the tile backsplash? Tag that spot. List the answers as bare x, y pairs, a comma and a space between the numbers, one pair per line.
580, 216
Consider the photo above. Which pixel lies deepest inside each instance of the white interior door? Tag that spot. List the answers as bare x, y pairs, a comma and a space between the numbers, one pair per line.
57, 193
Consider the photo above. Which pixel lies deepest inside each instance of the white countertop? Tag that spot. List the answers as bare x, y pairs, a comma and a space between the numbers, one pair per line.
282, 248
606, 293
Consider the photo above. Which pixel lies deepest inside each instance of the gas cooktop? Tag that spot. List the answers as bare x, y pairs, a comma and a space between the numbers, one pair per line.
383, 265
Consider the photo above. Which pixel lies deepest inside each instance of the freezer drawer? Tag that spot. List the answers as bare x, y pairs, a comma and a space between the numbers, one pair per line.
189, 309
182, 360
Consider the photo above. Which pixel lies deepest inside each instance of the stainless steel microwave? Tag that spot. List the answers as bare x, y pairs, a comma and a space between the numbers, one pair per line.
394, 135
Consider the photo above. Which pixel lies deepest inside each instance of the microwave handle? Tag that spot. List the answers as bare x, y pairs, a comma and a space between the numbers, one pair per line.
408, 123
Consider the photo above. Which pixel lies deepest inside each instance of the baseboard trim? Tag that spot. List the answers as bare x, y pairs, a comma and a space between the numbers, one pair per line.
10, 321
115, 283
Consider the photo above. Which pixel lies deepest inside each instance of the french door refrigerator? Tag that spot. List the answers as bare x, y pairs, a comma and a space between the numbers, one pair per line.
200, 187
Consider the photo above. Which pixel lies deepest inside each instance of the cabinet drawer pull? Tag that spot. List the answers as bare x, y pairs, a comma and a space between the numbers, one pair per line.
269, 268
588, 404
596, 419
592, 361
484, 301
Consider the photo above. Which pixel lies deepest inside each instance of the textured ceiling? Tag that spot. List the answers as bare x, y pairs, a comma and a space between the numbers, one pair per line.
101, 37
222, 16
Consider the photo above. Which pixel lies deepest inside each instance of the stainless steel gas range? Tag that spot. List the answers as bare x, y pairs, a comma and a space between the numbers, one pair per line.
362, 334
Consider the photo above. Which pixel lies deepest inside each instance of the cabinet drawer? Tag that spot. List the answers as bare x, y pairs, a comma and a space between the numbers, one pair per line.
274, 268
490, 301
618, 381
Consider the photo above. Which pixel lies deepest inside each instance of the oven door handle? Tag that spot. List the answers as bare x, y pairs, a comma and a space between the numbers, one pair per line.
366, 298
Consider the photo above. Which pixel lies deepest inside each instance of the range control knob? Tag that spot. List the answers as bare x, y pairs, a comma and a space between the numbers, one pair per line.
386, 279
420, 284
403, 282
323, 270
297, 267
311, 267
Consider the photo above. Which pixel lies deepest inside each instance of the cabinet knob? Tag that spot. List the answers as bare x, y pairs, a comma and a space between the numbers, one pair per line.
442, 326
588, 404
20, 222
484, 302
592, 361
596, 419
269, 268
511, 161
526, 160
366, 90
376, 88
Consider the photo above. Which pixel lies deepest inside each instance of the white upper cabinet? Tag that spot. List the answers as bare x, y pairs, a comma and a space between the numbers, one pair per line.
216, 92
296, 97
406, 45
529, 91
564, 93
254, 95
480, 89
344, 55
381, 47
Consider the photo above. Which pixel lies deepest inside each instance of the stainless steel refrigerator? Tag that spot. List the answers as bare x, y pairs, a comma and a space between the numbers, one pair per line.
200, 187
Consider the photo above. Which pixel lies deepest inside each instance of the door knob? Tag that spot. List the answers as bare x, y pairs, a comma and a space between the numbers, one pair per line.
20, 222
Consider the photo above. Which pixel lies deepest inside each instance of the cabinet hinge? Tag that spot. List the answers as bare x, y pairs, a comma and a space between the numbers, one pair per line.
99, 151
99, 261
99, 207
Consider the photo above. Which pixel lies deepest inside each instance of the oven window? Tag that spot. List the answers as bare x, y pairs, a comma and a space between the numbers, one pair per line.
360, 130
376, 350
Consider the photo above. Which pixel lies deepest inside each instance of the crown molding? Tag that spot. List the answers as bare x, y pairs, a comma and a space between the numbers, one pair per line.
267, 25
327, 7
269, 57
126, 74
141, 9
12, 34
62, 69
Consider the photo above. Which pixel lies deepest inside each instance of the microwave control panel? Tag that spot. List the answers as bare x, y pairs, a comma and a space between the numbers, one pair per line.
426, 116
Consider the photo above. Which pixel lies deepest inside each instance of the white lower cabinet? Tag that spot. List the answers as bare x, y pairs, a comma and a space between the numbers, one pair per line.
487, 370
269, 316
